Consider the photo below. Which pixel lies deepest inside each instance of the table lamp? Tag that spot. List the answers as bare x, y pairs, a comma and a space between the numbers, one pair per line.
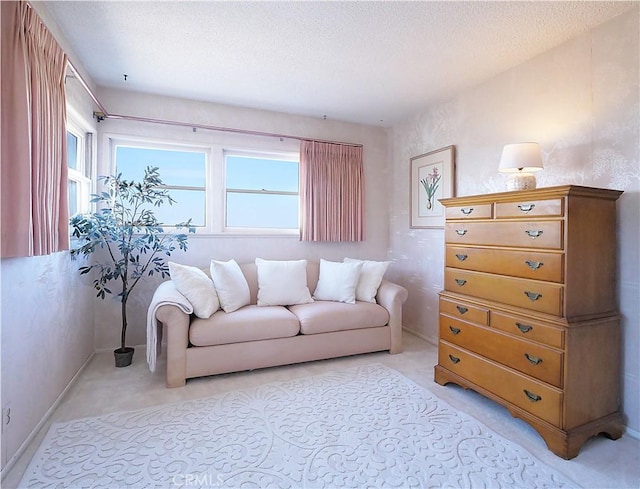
519, 160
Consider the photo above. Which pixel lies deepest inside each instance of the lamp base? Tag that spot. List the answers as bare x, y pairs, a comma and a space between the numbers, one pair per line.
521, 181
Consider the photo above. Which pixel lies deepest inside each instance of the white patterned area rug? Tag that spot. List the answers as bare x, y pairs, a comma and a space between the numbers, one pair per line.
361, 427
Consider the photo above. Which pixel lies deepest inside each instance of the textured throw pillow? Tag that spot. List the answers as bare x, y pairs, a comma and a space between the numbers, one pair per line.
337, 281
230, 284
194, 284
370, 278
282, 283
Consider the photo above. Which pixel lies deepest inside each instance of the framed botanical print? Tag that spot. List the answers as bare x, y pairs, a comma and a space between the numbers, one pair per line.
432, 178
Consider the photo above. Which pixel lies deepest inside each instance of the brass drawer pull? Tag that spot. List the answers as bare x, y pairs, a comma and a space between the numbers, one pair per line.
461, 257
461, 232
526, 207
534, 265
534, 233
454, 359
460, 281
533, 296
457, 331
466, 210
531, 396
462, 310
533, 360
525, 328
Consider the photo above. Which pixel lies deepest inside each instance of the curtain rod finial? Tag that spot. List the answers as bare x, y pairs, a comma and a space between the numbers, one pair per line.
100, 116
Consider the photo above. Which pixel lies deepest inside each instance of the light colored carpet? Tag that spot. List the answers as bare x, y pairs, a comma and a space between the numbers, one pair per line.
367, 426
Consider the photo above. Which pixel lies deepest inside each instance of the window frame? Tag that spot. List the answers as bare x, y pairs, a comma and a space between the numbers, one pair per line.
85, 161
167, 145
259, 154
215, 179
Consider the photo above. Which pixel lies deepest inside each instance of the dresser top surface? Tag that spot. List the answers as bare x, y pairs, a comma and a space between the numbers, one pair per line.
535, 194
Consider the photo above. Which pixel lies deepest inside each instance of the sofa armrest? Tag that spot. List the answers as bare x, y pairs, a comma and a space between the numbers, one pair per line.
391, 296
176, 328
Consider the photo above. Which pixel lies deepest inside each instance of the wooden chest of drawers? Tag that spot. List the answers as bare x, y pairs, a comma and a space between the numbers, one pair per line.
528, 312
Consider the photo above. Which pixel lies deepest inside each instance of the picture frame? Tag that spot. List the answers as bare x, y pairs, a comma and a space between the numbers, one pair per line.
432, 177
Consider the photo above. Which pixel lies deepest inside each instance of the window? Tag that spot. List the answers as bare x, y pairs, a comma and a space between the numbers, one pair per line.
261, 190
79, 163
183, 171
251, 188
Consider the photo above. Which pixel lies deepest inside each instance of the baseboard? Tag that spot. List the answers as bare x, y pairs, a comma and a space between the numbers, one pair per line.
632, 433
11, 462
428, 339
109, 350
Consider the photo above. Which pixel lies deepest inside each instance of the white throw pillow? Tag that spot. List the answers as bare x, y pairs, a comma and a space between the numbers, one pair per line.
337, 281
230, 284
370, 278
194, 284
282, 283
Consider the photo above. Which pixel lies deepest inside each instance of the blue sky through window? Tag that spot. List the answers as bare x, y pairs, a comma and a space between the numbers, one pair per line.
243, 173
177, 168
252, 210
72, 151
249, 173
262, 211
180, 168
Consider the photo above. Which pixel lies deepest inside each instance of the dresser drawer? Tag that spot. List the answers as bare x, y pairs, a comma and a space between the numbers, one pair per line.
522, 234
525, 264
482, 211
539, 399
529, 358
527, 328
530, 294
530, 208
465, 311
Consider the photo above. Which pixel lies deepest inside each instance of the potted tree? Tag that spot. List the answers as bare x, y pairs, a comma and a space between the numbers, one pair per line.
129, 239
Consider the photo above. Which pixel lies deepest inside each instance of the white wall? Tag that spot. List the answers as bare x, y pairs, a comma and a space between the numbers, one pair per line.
46, 337
47, 328
242, 248
581, 102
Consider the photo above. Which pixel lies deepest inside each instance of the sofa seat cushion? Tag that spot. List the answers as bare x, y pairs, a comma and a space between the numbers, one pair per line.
327, 316
249, 323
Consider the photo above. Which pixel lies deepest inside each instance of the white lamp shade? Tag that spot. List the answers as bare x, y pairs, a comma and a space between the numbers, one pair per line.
521, 157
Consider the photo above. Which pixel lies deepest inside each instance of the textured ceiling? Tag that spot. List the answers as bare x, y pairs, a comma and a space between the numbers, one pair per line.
368, 62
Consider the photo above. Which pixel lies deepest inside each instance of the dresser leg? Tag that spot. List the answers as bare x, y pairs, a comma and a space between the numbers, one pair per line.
610, 426
567, 444
443, 376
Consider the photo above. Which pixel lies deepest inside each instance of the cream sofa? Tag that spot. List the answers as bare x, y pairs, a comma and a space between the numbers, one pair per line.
256, 337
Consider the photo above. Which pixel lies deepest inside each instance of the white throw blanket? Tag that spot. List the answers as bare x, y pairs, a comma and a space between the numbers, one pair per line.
165, 294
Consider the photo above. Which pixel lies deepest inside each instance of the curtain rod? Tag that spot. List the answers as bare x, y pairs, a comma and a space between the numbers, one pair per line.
104, 114
86, 87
